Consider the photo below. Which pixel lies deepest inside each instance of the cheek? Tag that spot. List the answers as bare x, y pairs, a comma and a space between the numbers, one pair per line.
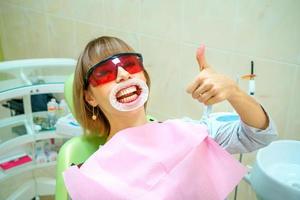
102, 92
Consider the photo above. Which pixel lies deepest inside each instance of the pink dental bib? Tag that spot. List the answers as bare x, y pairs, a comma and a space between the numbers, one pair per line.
173, 160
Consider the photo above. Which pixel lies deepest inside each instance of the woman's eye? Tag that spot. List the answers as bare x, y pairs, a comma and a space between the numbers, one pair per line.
128, 64
102, 73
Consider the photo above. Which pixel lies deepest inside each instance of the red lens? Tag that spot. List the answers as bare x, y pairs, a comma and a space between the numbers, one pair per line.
132, 64
103, 73
107, 71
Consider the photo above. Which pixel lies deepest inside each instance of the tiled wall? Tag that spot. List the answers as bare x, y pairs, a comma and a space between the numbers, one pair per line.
167, 33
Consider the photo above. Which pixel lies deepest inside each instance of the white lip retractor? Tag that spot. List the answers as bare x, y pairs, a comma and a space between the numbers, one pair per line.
129, 95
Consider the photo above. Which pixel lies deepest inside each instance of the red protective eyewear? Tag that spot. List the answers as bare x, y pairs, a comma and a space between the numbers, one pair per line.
107, 69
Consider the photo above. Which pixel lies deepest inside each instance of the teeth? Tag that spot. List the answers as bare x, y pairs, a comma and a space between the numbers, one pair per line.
129, 99
126, 91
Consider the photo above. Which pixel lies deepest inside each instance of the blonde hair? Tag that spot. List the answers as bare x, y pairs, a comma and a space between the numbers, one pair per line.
95, 51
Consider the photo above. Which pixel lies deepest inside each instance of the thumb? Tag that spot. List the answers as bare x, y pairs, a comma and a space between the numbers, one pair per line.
200, 55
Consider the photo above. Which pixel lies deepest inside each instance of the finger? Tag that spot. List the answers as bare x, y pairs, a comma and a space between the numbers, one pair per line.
214, 100
201, 90
194, 85
200, 55
206, 96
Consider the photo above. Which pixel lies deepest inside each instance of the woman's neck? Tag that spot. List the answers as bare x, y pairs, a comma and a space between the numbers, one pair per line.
132, 119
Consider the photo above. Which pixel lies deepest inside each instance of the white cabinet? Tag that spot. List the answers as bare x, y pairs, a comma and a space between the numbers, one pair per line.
20, 80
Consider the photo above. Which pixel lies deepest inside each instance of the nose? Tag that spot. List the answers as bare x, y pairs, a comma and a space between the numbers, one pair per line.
122, 75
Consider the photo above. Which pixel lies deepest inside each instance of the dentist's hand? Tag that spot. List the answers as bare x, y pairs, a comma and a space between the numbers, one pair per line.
210, 87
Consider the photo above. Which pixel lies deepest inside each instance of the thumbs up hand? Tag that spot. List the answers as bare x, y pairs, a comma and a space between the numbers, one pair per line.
210, 87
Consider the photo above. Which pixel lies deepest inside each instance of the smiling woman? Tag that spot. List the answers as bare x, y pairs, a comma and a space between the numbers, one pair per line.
174, 159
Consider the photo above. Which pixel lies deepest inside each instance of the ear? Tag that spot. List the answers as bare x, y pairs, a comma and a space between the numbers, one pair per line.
89, 97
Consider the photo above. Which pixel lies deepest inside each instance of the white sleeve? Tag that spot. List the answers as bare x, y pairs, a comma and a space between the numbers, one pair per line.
236, 136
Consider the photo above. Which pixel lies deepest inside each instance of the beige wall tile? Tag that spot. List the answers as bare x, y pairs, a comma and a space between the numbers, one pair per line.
85, 33
38, 45
62, 8
37, 5
220, 9
269, 29
209, 23
122, 14
161, 61
90, 11
61, 37
162, 19
14, 23
2, 31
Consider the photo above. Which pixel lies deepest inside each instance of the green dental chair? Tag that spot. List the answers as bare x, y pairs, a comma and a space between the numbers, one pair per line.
77, 149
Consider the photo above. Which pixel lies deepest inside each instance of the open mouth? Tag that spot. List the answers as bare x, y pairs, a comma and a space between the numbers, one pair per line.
128, 94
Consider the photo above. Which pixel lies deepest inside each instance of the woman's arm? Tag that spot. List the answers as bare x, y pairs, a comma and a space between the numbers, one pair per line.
210, 87
235, 136
248, 109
